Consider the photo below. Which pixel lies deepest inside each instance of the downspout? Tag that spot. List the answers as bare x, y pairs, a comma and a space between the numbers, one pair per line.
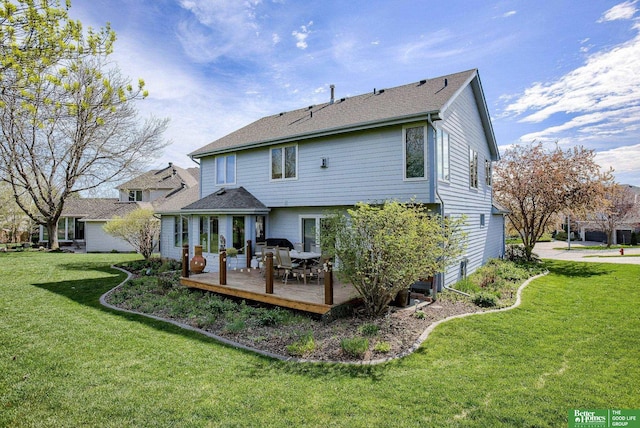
430, 122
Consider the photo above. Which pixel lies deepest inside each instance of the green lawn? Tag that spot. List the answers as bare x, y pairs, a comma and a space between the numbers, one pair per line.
66, 361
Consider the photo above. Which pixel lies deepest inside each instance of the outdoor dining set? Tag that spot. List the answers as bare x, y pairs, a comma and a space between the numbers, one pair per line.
290, 259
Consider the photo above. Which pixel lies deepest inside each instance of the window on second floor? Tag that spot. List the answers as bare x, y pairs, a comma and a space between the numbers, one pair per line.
473, 168
442, 147
226, 169
487, 172
414, 153
135, 195
284, 162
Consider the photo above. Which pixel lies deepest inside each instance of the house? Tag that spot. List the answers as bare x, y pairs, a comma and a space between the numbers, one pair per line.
82, 220
592, 230
431, 141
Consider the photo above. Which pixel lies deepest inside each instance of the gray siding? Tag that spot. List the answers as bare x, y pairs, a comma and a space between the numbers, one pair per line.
463, 123
366, 166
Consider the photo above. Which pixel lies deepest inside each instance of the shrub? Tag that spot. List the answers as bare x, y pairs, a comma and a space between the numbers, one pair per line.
484, 299
517, 253
355, 346
634, 238
236, 325
270, 317
304, 345
382, 347
369, 329
420, 315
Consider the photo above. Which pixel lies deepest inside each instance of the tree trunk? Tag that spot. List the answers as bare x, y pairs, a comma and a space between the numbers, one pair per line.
52, 230
609, 238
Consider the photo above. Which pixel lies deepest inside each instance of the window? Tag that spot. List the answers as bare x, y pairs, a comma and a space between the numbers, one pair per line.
284, 163
226, 169
487, 172
238, 234
260, 228
414, 153
311, 233
481, 220
180, 231
473, 168
135, 195
62, 228
442, 144
209, 234
79, 226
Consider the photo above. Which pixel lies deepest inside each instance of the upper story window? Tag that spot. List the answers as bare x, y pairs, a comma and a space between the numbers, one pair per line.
226, 169
135, 195
414, 153
473, 168
442, 147
487, 172
284, 162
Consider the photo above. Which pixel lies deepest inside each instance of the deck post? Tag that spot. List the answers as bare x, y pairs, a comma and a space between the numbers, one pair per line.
269, 273
185, 261
249, 254
328, 283
223, 267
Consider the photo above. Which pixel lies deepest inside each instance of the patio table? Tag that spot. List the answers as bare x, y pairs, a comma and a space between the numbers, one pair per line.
304, 257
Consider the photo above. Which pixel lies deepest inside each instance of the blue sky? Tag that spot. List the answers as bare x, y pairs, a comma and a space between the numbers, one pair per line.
565, 71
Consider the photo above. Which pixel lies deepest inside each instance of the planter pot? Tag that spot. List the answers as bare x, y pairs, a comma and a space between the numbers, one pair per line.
198, 262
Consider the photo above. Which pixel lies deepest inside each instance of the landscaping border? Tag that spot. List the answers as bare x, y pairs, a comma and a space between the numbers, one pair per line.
237, 345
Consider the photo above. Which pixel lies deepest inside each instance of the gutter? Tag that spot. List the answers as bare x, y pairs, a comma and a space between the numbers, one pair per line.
430, 122
319, 133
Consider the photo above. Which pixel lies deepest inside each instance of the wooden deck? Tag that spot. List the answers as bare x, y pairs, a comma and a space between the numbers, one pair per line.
250, 285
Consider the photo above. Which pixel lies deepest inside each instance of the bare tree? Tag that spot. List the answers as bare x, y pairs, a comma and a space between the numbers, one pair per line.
618, 201
68, 119
535, 184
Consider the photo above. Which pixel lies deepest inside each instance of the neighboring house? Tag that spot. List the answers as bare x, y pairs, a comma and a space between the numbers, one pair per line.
82, 220
431, 141
591, 231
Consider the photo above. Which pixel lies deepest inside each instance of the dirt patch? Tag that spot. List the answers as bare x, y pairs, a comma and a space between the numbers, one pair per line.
400, 329
389, 336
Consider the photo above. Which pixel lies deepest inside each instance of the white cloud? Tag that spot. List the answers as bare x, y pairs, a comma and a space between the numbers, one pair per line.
275, 38
220, 27
622, 159
608, 80
624, 10
301, 36
509, 14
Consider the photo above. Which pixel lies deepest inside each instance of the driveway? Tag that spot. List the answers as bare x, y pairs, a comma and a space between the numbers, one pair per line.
558, 250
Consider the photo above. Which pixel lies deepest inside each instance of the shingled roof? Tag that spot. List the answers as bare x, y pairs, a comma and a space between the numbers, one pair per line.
237, 200
415, 101
170, 177
99, 208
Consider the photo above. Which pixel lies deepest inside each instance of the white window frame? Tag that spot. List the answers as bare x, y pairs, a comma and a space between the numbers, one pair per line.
488, 168
473, 168
404, 152
224, 163
283, 148
318, 218
134, 194
443, 140
179, 230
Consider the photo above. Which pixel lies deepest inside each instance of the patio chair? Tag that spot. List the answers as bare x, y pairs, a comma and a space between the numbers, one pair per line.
284, 262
